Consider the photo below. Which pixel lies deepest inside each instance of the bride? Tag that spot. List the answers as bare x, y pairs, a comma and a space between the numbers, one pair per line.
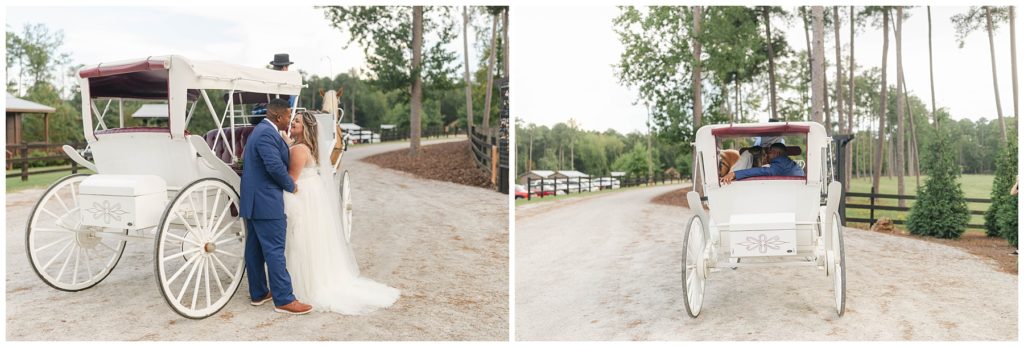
321, 262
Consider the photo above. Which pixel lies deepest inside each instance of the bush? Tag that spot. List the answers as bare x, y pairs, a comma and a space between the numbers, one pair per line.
1006, 175
941, 210
1001, 217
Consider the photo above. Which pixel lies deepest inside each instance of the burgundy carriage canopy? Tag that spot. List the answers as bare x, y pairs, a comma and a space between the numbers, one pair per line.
148, 80
761, 130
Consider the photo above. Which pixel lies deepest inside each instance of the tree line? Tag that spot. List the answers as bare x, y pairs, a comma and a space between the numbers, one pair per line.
412, 79
703, 65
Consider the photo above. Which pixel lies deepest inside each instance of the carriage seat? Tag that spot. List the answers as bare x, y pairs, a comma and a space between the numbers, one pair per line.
774, 178
242, 133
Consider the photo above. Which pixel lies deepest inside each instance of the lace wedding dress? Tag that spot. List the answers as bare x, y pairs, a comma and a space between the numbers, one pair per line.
320, 261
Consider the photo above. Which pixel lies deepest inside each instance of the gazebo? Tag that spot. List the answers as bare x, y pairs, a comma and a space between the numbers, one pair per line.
15, 108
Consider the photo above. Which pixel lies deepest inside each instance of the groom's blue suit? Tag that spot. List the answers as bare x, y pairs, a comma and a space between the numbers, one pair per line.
264, 178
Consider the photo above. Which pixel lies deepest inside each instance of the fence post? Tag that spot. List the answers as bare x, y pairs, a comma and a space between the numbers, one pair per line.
529, 189
871, 219
24, 161
74, 167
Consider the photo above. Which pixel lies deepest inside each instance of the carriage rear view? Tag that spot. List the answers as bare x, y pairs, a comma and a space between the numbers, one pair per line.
766, 220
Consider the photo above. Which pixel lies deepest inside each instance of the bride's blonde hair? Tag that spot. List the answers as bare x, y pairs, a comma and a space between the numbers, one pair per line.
309, 134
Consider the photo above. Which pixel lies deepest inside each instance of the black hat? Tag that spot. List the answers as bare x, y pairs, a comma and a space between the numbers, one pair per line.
281, 59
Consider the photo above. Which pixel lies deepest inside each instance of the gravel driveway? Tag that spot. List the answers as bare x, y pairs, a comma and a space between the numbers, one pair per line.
444, 245
607, 267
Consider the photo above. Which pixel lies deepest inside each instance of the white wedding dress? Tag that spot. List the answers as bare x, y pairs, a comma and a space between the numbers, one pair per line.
320, 261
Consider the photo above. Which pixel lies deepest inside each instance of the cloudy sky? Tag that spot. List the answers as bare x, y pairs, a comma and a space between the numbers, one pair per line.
562, 65
246, 35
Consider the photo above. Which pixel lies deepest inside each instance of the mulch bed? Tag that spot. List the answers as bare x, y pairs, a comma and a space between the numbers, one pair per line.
994, 248
674, 198
449, 162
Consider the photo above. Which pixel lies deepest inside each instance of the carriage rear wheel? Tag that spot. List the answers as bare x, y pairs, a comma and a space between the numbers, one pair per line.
200, 248
65, 254
838, 263
345, 190
694, 266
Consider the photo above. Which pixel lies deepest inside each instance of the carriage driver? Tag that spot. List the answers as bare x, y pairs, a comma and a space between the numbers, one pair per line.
780, 165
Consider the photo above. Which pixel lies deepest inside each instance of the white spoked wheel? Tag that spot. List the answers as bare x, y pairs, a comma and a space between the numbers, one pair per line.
837, 263
345, 190
64, 253
200, 249
694, 266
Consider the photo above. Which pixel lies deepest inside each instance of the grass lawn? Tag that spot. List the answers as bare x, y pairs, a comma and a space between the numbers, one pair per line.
974, 186
38, 181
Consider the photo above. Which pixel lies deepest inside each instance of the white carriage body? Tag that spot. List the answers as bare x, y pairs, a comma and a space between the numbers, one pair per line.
122, 201
763, 209
170, 153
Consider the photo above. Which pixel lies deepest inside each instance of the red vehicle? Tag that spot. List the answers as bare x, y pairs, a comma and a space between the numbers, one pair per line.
521, 192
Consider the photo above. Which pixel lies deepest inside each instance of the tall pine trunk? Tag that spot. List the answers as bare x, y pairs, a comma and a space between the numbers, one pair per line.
465, 76
698, 110
504, 42
1013, 63
839, 72
876, 178
900, 101
490, 77
818, 66
931, 70
850, 115
771, 61
995, 81
416, 102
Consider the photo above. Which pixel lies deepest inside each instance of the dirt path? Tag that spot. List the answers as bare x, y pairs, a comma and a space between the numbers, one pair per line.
444, 245
608, 268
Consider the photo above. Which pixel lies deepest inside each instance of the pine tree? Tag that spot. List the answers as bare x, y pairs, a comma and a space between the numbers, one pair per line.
941, 210
1006, 175
1002, 213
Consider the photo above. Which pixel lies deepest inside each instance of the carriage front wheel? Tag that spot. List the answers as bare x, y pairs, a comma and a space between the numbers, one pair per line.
837, 263
64, 253
694, 266
200, 248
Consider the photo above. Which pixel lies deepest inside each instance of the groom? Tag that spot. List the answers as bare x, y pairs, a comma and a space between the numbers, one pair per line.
264, 177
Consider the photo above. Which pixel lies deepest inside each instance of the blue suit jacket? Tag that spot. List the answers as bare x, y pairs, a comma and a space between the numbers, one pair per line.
780, 166
265, 174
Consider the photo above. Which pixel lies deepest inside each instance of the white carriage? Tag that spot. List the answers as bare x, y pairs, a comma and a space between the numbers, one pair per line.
764, 221
161, 184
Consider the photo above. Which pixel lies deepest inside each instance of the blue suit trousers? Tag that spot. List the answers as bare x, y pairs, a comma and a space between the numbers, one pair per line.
264, 244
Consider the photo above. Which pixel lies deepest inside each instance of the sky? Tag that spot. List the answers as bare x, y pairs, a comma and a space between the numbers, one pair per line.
562, 66
236, 34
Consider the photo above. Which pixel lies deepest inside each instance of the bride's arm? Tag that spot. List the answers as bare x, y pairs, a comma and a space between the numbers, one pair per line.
298, 157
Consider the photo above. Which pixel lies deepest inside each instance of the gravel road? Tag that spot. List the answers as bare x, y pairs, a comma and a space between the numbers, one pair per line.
445, 246
607, 267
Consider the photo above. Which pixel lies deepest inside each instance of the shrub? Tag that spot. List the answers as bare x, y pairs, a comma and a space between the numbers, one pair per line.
1006, 175
1004, 205
941, 210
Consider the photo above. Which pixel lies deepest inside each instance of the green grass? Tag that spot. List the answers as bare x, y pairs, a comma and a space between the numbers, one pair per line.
974, 186
38, 181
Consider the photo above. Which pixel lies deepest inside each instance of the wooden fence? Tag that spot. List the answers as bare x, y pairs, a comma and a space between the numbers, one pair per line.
18, 156
490, 156
873, 205
540, 188
426, 133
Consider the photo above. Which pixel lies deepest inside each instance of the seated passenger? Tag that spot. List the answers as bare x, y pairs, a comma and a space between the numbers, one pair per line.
780, 165
752, 157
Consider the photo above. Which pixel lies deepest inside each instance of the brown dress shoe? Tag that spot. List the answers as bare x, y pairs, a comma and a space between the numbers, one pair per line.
259, 302
295, 307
